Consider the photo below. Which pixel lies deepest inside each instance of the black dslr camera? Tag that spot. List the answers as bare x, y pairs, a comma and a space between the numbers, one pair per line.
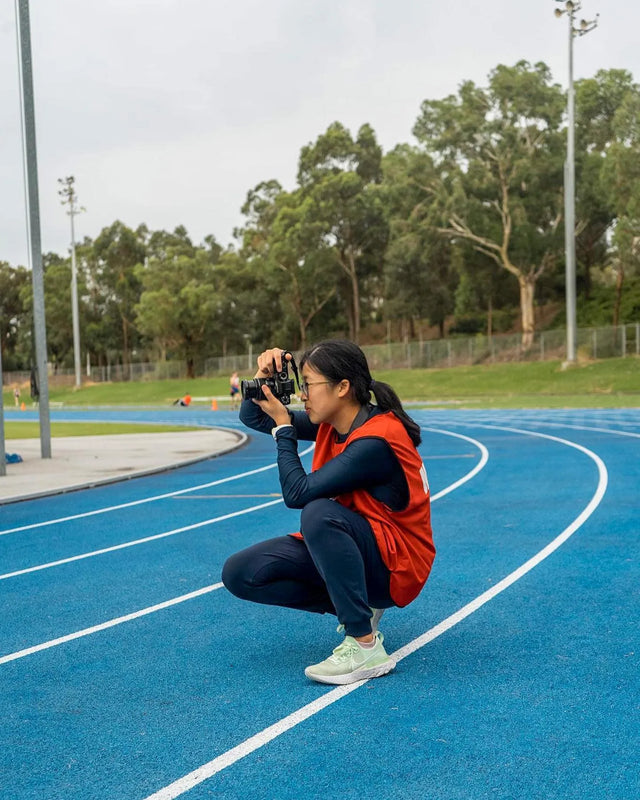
281, 385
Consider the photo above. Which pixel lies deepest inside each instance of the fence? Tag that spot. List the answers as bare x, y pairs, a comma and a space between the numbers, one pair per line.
623, 340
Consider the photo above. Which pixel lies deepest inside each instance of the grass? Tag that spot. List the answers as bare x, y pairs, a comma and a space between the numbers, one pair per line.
31, 430
609, 383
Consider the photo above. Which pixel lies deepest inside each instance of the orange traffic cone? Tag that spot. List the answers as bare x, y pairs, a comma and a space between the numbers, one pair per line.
214, 404
22, 406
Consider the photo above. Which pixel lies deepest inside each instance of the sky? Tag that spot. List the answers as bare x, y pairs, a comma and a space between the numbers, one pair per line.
167, 112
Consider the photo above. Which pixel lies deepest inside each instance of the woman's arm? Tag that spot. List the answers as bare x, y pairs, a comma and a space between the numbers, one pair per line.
254, 417
364, 464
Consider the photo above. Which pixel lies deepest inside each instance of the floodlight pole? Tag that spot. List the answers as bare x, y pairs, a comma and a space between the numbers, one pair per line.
25, 65
570, 182
69, 194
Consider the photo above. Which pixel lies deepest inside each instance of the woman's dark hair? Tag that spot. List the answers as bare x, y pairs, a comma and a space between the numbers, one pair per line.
340, 359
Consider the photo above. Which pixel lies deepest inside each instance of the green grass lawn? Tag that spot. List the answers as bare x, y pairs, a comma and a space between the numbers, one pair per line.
31, 430
608, 383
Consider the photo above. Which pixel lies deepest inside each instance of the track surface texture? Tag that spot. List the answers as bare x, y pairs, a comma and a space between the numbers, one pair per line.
127, 672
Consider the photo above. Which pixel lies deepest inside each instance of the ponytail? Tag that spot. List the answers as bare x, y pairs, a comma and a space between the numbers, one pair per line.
338, 359
388, 400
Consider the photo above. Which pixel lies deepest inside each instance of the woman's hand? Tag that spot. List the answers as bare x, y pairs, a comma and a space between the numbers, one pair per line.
266, 359
273, 407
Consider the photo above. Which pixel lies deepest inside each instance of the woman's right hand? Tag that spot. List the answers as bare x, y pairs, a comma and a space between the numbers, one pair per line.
266, 359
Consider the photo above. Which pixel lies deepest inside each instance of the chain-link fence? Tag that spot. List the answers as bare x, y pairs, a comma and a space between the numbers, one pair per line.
591, 343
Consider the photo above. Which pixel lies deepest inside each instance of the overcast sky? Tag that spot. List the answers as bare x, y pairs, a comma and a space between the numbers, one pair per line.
168, 111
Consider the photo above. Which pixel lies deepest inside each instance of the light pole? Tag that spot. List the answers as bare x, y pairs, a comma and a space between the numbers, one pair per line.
69, 197
570, 9
25, 72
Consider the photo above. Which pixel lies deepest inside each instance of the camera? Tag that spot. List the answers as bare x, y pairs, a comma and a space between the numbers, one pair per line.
281, 385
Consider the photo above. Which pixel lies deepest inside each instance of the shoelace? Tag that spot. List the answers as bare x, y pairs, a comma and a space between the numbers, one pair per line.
344, 651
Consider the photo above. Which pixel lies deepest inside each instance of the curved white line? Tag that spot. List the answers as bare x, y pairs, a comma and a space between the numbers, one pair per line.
106, 509
586, 428
228, 758
143, 612
109, 624
135, 542
484, 457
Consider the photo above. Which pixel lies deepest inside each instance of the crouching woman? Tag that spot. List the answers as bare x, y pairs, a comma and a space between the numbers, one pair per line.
365, 542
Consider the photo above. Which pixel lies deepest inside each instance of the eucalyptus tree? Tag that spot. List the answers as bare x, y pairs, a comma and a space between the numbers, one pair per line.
14, 283
308, 268
621, 174
177, 306
420, 279
339, 180
598, 130
116, 253
500, 150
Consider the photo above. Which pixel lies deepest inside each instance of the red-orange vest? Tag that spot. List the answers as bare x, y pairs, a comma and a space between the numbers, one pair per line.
404, 538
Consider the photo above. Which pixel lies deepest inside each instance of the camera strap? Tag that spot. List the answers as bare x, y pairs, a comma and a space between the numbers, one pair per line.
294, 366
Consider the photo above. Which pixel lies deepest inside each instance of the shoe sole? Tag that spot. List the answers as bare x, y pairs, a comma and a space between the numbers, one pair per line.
352, 677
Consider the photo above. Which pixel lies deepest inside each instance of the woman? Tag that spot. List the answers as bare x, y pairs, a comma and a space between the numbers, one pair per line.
365, 541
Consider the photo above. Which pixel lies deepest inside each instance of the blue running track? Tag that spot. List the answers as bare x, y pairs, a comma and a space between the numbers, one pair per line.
127, 672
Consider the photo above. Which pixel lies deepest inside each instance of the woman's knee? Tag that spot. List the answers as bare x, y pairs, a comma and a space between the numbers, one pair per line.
318, 517
234, 575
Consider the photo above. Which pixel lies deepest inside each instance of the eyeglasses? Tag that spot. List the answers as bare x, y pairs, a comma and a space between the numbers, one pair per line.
304, 387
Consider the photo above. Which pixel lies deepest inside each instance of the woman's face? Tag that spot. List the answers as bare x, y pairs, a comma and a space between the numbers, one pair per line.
322, 399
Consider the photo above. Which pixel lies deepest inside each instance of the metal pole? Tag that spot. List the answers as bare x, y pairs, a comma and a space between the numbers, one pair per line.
33, 217
74, 300
569, 209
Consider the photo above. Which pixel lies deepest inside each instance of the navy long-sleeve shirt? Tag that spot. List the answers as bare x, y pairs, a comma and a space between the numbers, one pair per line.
368, 463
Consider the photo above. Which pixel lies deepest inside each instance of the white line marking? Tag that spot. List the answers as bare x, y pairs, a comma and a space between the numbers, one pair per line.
484, 457
82, 556
109, 624
586, 428
137, 541
151, 609
107, 509
228, 758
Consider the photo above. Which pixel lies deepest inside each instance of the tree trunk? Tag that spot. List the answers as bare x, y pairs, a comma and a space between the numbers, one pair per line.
527, 289
616, 305
125, 349
490, 319
355, 292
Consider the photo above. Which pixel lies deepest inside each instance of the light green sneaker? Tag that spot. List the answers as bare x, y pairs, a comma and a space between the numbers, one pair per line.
350, 663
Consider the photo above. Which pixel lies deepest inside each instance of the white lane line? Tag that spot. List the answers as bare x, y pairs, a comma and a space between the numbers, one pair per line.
108, 624
107, 509
135, 542
262, 738
484, 457
135, 614
587, 428
70, 559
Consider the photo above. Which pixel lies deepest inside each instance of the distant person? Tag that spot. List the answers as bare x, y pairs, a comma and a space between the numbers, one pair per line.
185, 401
234, 390
16, 395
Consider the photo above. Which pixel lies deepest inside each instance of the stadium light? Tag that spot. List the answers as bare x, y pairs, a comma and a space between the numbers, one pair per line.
69, 198
570, 9
25, 72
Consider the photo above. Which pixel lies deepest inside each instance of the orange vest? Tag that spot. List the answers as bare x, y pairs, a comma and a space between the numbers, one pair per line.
404, 538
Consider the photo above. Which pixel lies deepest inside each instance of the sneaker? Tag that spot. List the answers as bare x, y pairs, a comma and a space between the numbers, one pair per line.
350, 663
376, 614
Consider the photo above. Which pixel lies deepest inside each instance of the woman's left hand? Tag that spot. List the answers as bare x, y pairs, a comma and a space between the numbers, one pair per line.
273, 407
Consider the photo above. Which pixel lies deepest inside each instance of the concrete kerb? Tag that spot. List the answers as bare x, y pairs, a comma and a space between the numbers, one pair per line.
82, 462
